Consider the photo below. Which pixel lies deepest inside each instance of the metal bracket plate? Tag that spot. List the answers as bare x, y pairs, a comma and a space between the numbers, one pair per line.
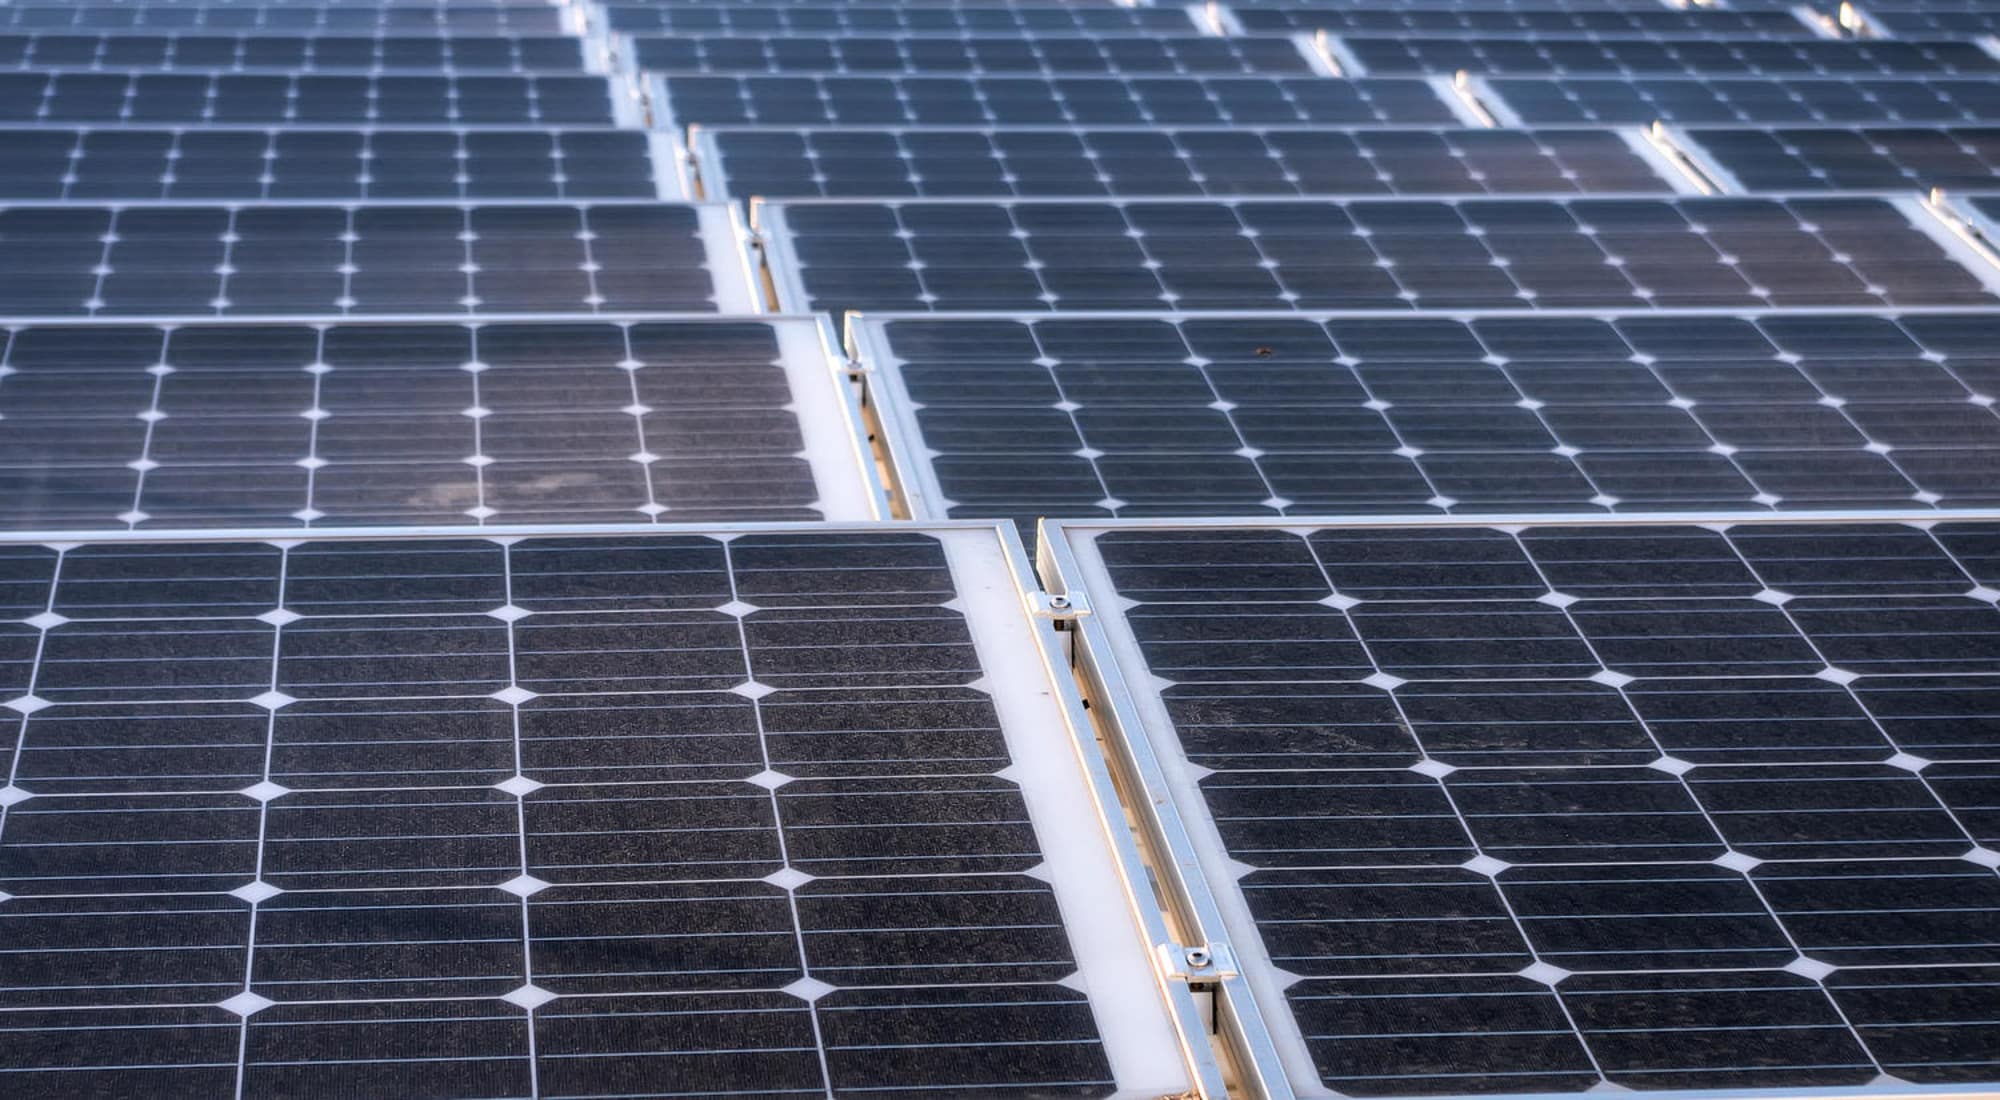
1199, 965
1061, 606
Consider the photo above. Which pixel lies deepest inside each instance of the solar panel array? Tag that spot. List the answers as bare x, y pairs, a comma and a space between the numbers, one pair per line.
1685, 807
1522, 480
677, 783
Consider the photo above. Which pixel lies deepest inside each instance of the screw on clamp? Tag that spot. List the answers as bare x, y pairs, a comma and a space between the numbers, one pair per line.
1059, 606
1200, 965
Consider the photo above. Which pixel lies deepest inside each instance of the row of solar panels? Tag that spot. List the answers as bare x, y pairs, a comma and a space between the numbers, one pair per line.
1743, 21
1069, 53
247, 164
191, 99
809, 100
769, 807
578, 419
1638, 252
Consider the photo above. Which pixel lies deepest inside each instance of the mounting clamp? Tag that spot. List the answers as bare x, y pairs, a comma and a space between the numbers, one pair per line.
1060, 606
1204, 964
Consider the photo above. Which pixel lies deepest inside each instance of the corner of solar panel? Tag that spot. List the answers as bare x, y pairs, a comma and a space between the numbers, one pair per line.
515, 523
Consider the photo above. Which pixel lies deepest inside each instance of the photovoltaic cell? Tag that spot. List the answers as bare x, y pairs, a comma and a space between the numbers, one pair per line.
289, 53
1775, 100
563, 816
1185, 54
1068, 162
1862, 158
951, 100
153, 98
1364, 254
1708, 57
1279, 415
337, 261
1548, 807
251, 164
204, 425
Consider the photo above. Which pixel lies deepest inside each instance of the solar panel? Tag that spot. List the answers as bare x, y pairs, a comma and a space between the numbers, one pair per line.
1549, 806
573, 421
1764, 99
335, 261
693, 99
154, 98
1531, 21
1859, 158
1934, 22
737, 810
996, 20
1708, 57
935, 162
1184, 54
1367, 254
1275, 414
289, 53
1471, 7
283, 17
1878, 6
254, 164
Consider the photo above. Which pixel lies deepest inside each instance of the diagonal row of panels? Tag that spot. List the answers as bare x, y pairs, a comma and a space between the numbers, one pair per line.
425, 809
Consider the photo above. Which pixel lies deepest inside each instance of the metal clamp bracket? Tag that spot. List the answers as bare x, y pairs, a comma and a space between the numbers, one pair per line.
1202, 965
1062, 607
